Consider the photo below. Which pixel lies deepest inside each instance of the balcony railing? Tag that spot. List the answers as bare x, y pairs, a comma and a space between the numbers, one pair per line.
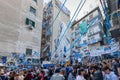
115, 19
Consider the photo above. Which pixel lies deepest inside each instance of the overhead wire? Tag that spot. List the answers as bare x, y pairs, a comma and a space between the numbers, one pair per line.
58, 13
68, 26
80, 9
71, 23
79, 38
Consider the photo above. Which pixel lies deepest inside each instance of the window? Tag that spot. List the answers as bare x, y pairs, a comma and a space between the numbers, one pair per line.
35, 1
30, 22
90, 32
33, 10
28, 52
91, 17
92, 38
115, 19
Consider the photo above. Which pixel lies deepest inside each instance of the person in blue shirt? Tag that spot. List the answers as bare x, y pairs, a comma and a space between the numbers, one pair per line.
110, 75
2, 75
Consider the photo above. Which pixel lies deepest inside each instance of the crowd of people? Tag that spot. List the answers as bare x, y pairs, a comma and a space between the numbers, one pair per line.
102, 70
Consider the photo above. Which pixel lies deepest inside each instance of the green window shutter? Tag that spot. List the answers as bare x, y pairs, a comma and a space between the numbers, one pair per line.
33, 23
27, 21
28, 51
30, 22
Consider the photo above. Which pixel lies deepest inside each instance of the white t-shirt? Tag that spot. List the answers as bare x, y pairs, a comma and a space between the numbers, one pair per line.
80, 78
46, 72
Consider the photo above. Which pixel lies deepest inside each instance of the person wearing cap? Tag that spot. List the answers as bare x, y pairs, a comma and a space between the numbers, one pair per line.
58, 75
2, 75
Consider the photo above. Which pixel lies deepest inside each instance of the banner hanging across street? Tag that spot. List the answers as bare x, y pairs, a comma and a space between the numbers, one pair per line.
97, 51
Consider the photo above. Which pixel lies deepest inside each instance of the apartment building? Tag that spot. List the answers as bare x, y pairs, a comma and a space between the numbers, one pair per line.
114, 12
54, 28
20, 27
89, 31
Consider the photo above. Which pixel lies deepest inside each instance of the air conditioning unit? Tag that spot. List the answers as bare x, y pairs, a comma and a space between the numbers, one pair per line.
30, 27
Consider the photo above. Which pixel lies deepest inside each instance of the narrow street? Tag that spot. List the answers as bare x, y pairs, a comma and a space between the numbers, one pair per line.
59, 39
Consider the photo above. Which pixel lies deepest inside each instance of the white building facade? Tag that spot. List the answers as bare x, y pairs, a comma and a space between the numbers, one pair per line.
20, 27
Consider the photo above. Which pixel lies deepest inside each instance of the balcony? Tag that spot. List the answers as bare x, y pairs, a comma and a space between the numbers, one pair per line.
113, 5
48, 33
115, 22
43, 43
44, 25
95, 38
43, 36
43, 39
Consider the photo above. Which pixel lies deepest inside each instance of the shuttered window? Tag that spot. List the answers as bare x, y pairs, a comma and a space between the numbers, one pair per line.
32, 10
30, 22
28, 52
